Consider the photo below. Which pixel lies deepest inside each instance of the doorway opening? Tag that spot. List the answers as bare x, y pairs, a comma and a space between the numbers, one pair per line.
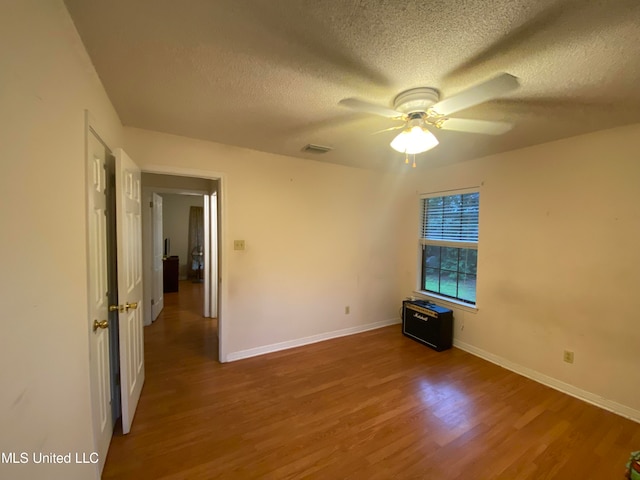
180, 239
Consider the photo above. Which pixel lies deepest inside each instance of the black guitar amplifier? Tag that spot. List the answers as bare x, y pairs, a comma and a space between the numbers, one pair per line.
428, 323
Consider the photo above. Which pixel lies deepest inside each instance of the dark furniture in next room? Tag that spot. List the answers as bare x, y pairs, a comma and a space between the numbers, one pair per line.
171, 270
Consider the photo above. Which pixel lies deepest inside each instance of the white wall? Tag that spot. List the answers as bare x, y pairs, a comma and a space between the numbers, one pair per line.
318, 237
175, 225
558, 262
47, 82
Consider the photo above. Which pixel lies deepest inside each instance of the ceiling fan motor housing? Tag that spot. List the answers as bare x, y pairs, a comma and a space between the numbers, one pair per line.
416, 100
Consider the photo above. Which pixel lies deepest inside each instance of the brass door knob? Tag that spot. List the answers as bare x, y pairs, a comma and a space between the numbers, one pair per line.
123, 308
102, 324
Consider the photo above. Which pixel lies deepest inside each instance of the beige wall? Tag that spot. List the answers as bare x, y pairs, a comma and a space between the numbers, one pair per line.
47, 82
318, 237
175, 225
558, 264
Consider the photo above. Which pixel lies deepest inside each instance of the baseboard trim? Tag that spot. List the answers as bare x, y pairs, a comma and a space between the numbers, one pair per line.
299, 342
556, 384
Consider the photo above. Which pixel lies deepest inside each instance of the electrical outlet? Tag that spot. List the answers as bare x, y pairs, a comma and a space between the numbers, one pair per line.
568, 356
238, 244
347, 310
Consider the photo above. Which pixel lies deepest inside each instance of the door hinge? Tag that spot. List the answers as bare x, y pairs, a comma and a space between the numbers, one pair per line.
152, 302
151, 204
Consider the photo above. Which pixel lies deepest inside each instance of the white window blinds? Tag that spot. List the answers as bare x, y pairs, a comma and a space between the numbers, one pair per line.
451, 219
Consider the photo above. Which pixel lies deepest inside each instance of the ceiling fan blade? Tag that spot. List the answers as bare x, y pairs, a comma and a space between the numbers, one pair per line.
388, 129
495, 87
362, 106
476, 126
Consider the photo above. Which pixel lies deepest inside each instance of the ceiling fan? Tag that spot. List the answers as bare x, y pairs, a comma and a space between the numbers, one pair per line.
421, 107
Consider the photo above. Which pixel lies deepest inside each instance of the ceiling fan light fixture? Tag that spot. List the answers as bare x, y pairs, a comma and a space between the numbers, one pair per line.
416, 139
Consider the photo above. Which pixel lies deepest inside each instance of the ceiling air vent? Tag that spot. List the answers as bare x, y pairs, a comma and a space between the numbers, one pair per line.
311, 148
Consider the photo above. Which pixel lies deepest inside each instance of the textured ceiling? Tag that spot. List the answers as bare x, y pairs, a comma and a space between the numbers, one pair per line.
268, 74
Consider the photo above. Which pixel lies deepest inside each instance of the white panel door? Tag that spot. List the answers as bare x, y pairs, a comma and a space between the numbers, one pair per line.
157, 268
206, 259
98, 301
214, 276
129, 234
211, 255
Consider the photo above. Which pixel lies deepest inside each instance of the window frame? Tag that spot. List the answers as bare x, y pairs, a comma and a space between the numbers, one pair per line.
423, 242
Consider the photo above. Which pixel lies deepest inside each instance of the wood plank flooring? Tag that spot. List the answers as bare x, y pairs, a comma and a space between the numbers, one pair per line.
376, 405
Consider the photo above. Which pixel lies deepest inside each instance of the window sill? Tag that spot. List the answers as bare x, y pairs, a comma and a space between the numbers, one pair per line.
448, 302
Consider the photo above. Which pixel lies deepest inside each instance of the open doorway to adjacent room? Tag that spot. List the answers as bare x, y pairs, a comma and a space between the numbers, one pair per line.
180, 242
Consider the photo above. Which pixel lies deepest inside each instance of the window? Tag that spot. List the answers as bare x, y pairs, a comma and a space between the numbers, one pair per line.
449, 240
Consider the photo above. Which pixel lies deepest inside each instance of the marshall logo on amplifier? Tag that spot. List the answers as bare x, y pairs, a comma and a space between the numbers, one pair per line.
428, 323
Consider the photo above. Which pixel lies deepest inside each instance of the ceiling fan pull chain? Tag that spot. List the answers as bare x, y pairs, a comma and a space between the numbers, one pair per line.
406, 158
414, 160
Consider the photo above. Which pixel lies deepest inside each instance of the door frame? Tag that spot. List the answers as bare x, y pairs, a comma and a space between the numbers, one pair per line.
222, 283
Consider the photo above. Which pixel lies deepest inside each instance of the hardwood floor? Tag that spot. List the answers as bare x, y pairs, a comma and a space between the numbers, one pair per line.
376, 405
